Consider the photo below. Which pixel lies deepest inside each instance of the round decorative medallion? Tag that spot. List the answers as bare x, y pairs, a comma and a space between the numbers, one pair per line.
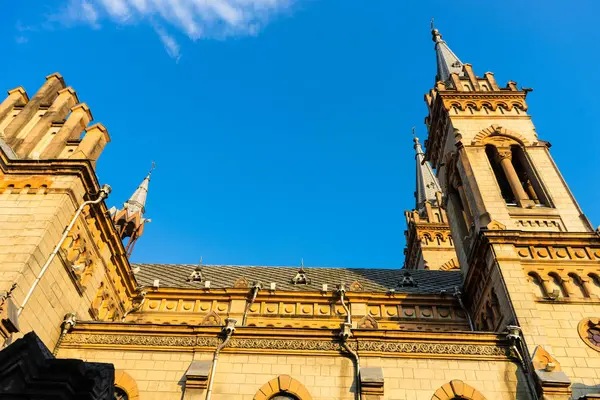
589, 331
561, 253
523, 252
542, 253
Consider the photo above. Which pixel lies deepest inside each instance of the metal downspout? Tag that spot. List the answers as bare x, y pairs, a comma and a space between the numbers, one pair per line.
103, 194
137, 307
255, 288
68, 322
458, 295
227, 332
345, 332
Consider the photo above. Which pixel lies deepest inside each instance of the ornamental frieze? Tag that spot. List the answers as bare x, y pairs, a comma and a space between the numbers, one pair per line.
74, 340
558, 253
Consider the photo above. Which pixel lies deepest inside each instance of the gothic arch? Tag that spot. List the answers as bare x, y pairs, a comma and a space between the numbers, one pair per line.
282, 384
496, 130
457, 390
125, 382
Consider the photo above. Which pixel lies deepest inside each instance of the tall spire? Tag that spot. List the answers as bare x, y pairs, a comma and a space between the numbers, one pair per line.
137, 202
427, 183
129, 221
447, 61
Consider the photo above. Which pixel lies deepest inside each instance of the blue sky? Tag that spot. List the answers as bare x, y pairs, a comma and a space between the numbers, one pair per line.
281, 129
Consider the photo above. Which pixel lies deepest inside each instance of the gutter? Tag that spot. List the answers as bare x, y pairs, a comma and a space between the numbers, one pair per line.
255, 288
345, 333
227, 331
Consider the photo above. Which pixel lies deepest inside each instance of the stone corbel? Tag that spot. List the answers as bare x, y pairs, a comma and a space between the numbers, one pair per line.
196, 377
371, 383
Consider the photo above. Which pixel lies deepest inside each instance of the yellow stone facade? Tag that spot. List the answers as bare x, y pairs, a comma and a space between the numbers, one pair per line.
499, 297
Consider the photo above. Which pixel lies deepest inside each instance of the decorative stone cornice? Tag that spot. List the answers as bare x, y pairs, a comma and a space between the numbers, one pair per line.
471, 345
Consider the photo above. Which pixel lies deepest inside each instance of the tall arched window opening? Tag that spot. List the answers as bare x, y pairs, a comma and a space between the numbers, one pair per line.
527, 176
500, 175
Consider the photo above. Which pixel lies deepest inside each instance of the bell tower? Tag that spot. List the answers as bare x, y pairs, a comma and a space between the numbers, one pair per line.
493, 167
529, 256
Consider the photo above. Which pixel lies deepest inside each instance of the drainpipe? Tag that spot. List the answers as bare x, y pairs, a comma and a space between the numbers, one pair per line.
458, 295
345, 333
227, 333
516, 344
137, 307
255, 288
68, 322
103, 194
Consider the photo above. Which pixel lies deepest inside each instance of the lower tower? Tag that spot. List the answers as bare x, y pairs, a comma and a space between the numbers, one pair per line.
429, 243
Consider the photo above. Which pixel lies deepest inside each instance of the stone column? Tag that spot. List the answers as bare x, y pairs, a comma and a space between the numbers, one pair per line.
505, 159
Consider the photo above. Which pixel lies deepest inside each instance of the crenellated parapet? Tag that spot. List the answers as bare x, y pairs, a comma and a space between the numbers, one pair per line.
53, 124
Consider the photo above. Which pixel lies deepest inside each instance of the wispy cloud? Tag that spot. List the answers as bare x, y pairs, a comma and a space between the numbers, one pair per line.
194, 18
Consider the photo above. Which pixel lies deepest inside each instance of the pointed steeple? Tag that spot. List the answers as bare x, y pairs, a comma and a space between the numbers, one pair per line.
137, 202
129, 221
427, 183
447, 61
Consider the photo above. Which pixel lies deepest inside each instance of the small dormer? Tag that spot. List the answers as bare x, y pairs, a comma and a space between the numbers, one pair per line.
407, 280
196, 275
301, 278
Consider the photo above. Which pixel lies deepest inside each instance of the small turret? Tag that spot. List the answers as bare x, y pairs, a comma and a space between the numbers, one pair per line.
130, 220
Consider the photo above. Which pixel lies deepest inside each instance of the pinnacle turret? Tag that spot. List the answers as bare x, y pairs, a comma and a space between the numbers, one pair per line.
427, 183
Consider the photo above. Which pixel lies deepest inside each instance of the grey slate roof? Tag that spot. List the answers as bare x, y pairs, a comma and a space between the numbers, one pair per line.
372, 280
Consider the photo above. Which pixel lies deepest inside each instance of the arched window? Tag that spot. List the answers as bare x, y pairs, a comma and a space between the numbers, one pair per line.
595, 284
527, 176
537, 282
578, 283
284, 387
284, 396
120, 394
125, 387
518, 182
501, 179
457, 390
557, 284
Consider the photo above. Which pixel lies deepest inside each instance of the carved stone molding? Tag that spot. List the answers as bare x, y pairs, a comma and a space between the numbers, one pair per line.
454, 349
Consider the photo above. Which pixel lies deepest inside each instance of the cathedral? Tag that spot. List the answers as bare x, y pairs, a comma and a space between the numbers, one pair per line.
499, 296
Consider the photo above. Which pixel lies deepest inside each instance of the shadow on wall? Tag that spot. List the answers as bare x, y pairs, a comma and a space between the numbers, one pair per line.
579, 389
522, 384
